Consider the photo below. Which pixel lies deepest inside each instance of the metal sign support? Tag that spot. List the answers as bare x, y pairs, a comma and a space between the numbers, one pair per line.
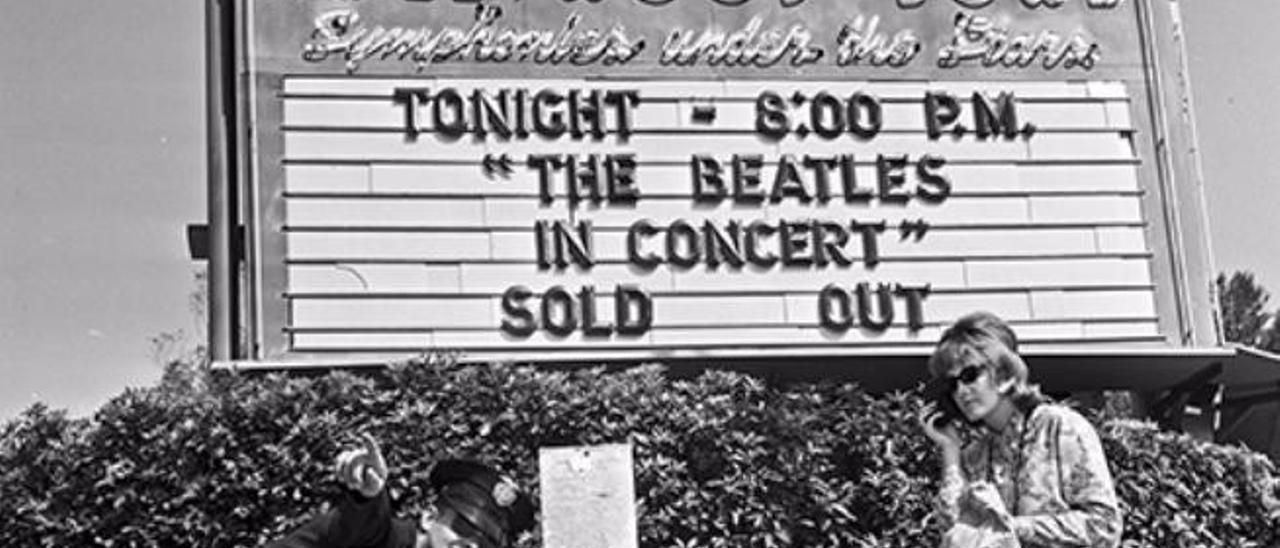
222, 203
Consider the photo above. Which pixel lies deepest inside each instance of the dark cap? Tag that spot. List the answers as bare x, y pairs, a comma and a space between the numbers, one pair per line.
473, 497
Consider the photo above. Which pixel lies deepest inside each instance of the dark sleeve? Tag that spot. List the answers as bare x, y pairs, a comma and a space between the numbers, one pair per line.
356, 523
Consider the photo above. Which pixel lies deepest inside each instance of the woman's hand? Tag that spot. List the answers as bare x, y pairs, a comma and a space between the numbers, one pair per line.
946, 436
362, 469
985, 499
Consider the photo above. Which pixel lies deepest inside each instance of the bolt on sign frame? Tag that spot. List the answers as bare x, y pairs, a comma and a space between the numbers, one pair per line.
818, 182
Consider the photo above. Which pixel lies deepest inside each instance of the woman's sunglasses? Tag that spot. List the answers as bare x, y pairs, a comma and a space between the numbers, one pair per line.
966, 375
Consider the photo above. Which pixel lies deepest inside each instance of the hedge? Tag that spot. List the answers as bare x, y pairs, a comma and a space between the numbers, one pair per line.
721, 459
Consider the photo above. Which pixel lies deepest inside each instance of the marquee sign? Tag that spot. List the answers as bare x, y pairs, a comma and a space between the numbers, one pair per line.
534, 176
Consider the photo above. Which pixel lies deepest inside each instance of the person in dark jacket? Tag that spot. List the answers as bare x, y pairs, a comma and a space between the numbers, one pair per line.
476, 507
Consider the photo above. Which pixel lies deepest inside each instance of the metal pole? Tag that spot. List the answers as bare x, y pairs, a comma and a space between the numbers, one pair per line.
222, 267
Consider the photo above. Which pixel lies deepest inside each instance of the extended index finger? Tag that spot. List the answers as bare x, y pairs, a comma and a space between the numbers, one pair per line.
929, 408
371, 446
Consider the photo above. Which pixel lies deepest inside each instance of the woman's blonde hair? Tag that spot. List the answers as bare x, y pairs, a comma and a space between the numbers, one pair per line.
985, 340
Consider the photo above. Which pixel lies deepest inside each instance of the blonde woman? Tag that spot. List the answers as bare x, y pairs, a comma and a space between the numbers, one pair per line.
1030, 469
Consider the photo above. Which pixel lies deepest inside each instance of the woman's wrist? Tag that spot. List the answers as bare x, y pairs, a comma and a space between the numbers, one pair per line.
950, 455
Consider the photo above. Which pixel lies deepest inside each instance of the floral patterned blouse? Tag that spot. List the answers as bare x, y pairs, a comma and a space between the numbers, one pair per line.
1052, 475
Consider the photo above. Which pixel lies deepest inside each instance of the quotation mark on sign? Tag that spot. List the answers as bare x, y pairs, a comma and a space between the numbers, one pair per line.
499, 165
913, 229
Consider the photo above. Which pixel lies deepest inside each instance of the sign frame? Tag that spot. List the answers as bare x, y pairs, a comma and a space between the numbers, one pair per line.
1173, 204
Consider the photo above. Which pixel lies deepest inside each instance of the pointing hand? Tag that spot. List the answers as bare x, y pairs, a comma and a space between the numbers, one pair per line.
362, 469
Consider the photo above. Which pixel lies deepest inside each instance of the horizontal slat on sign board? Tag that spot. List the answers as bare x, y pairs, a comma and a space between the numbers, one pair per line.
1056, 177
424, 341
732, 337
1094, 330
1049, 117
650, 115
1106, 90
675, 179
540, 339
1130, 330
718, 310
460, 179
1076, 272
471, 180
802, 260
414, 280
425, 247
384, 212
365, 114
379, 147
370, 147
988, 210
335, 112
1121, 239
1067, 331
736, 336
1081, 145
354, 179
522, 246
1119, 115
474, 311
351, 86
736, 115
913, 145
894, 116
1082, 271
993, 242
794, 279
775, 335
304, 161
739, 115
1008, 211
938, 307
603, 329
662, 212
477, 313
960, 243
668, 148
1093, 304
373, 313
375, 341
509, 212
1092, 209
376, 86
709, 199
909, 117
523, 212
518, 244
374, 278
559, 202
303, 86
343, 113
498, 277
661, 88
909, 90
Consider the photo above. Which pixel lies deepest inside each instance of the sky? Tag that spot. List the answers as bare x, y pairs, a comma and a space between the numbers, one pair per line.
1235, 84
102, 165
